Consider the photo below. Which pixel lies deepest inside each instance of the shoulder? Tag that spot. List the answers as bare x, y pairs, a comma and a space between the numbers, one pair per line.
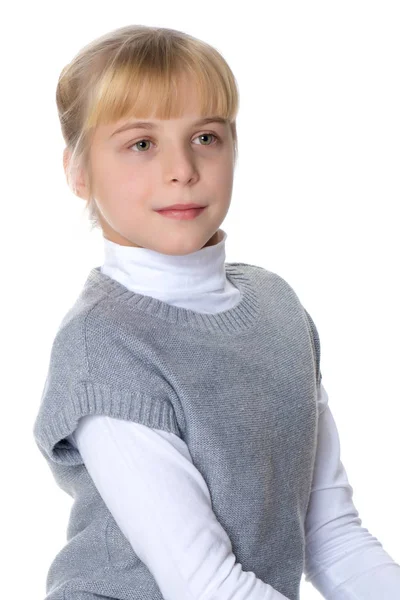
274, 282
283, 293
68, 352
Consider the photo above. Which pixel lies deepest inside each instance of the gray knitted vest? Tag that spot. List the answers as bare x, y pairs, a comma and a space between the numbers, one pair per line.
239, 387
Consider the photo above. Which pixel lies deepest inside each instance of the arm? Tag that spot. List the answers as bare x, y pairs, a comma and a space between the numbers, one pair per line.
162, 505
343, 560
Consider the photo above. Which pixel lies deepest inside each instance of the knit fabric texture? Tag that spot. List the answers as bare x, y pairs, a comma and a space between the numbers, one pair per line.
239, 387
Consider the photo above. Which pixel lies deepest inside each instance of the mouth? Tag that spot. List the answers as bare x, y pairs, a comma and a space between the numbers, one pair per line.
181, 207
181, 214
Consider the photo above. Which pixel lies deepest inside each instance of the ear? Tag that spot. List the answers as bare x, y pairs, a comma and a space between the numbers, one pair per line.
80, 184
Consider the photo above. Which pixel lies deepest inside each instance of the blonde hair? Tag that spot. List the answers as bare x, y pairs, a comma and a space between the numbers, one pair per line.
135, 71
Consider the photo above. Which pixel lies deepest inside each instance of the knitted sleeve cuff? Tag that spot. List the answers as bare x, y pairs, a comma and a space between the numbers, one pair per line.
92, 398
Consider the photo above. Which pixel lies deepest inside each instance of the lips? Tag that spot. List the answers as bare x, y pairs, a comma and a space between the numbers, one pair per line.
182, 215
180, 207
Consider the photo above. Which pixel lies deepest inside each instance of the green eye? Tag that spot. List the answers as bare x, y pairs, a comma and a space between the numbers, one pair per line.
139, 142
205, 135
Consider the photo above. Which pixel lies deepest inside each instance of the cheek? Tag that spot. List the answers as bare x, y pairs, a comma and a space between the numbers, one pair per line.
224, 179
134, 187
117, 179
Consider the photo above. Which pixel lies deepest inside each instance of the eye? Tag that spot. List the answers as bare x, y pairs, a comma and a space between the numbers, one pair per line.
208, 135
138, 142
202, 135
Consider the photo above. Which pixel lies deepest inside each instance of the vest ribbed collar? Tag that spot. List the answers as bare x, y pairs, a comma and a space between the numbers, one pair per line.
240, 317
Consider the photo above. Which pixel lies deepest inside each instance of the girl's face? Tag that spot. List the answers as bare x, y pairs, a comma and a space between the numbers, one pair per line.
137, 171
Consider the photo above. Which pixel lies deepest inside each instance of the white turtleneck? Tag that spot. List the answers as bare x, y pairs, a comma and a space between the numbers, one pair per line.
126, 460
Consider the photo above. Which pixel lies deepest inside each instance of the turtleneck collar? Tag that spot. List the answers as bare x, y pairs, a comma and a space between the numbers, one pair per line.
198, 277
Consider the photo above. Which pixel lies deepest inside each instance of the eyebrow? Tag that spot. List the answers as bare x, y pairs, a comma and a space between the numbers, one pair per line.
151, 125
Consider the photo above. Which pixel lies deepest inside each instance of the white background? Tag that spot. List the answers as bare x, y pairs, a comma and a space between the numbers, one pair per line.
315, 199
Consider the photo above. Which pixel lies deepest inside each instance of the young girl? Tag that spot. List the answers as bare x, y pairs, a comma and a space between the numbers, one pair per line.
183, 408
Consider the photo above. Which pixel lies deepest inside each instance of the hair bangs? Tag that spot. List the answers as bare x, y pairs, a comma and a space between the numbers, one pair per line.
137, 91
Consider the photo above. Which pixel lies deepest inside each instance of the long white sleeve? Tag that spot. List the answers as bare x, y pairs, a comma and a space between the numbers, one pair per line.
162, 505
343, 560
146, 472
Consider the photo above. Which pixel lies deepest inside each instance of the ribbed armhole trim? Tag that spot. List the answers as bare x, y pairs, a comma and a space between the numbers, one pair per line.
92, 398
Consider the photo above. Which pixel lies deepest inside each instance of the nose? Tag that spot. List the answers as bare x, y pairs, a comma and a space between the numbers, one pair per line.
180, 165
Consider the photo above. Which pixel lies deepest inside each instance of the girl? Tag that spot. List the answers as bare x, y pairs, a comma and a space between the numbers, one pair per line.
183, 408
